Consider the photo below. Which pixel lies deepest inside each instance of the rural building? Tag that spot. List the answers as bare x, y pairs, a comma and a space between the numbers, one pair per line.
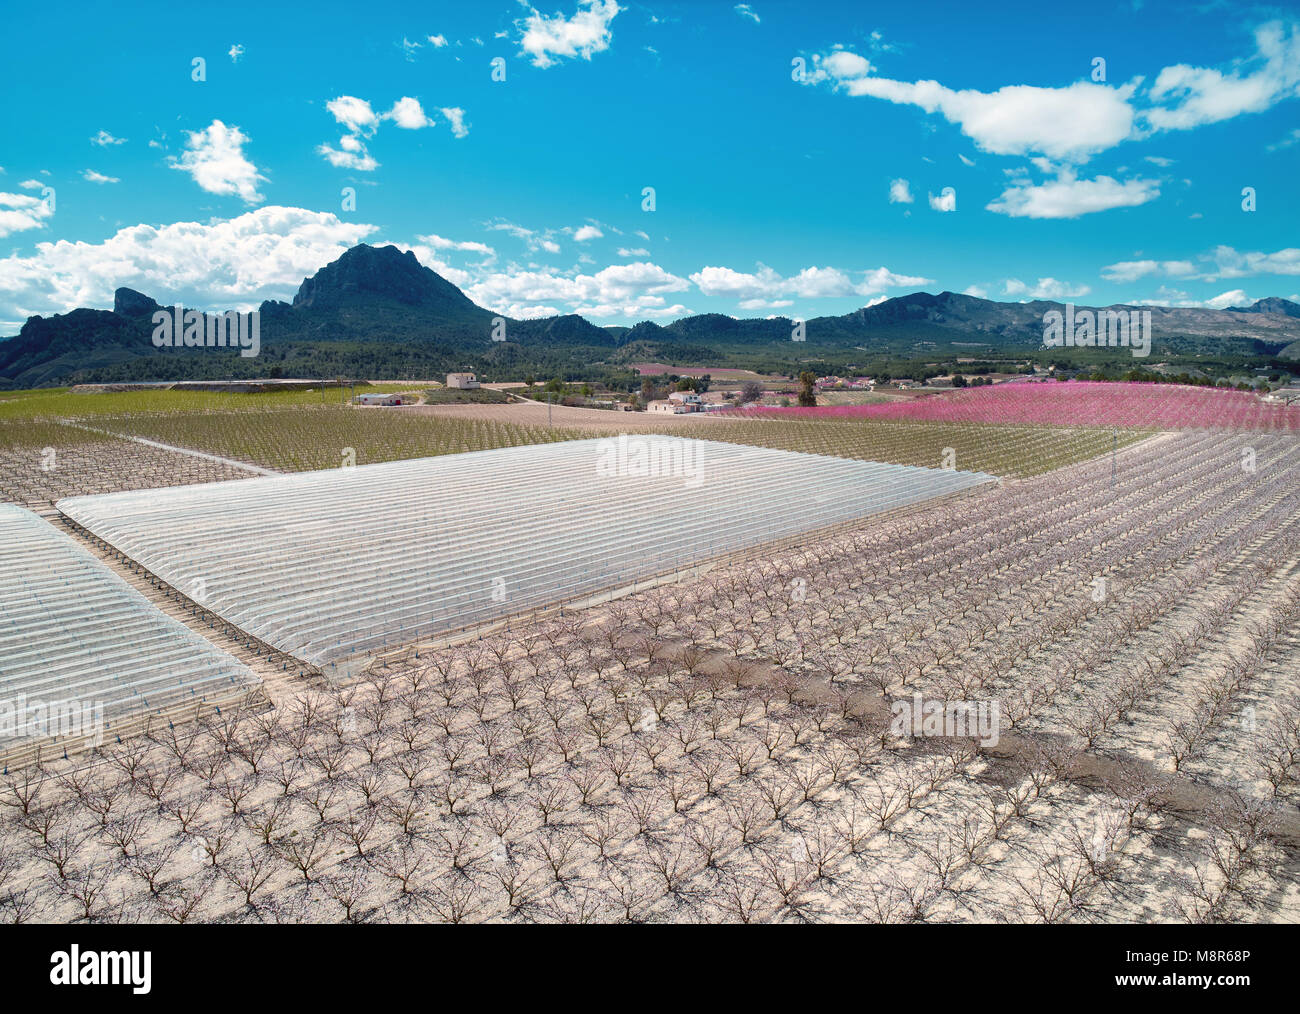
462, 381
844, 383
666, 407
383, 399
687, 401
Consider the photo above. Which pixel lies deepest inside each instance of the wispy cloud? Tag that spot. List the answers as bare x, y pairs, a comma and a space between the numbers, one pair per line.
1044, 288
455, 117
764, 287
1189, 97
1066, 196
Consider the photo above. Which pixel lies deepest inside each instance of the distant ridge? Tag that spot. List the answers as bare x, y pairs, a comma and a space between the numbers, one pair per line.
377, 311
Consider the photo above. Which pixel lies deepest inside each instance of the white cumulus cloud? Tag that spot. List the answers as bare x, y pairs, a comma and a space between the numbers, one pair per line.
1237, 297
1072, 123
358, 117
19, 212
214, 158
261, 254
945, 200
408, 114
353, 113
583, 34
622, 290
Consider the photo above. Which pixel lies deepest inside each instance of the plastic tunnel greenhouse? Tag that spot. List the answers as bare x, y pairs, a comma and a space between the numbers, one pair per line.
336, 565
76, 640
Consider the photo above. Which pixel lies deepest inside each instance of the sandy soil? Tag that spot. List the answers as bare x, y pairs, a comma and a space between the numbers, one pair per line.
534, 413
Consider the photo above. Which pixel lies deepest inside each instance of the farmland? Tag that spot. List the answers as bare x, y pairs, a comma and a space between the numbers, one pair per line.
1141, 406
293, 431
721, 751
724, 747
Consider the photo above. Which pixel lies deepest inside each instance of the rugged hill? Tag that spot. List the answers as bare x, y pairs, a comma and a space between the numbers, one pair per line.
951, 316
376, 311
1273, 304
370, 276
373, 312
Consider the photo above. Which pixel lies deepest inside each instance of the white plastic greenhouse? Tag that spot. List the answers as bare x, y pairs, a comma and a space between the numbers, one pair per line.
336, 565
78, 641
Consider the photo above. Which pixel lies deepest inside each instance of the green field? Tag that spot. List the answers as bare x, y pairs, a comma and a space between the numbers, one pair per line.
61, 402
293, 431
452, 396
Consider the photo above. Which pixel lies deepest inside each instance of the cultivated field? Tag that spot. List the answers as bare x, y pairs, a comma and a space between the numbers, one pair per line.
722, 749
290, 432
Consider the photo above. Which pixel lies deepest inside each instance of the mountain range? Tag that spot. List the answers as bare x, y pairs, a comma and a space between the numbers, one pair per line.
377, 312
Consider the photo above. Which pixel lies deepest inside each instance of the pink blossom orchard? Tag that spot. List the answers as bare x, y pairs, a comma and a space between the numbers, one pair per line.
1078, 403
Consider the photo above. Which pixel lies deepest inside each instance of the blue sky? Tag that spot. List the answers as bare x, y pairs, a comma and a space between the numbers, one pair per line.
805, 158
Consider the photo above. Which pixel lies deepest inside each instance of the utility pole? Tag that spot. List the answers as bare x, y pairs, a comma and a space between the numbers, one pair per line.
1114, 454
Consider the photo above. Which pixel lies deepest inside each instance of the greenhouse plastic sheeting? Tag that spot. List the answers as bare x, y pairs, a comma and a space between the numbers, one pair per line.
77, 640
332, 565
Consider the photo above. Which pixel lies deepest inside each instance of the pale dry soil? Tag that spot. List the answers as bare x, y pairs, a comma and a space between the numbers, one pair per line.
721, 749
